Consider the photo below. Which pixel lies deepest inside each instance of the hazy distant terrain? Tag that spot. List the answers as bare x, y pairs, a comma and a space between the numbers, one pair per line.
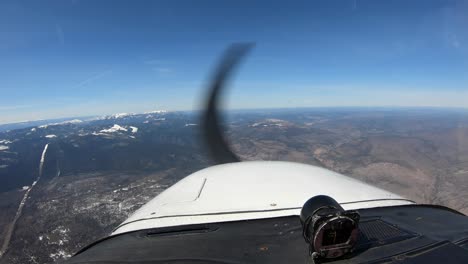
420, 154
97, 172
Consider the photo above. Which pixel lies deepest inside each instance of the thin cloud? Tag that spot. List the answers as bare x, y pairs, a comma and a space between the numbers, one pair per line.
15, 107
57, 101
92, 79
155, 62
160, 66
454, 41
163, 70
60, 34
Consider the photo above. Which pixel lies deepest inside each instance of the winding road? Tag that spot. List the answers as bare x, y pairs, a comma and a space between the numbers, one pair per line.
11, 228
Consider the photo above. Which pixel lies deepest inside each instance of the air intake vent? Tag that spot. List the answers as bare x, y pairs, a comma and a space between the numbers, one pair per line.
463, 243
378, 232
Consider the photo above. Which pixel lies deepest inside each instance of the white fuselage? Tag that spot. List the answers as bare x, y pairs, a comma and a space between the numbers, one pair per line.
252, 190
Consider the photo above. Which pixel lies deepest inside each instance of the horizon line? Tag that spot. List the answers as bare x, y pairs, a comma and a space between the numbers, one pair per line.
64, 118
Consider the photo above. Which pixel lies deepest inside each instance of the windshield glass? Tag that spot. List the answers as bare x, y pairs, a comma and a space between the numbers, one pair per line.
100, 103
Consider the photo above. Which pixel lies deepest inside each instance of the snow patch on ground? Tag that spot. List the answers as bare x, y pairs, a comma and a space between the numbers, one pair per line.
156, 112
150, 114
99, 134
74, 121
134, 129
2, 147
5, 141
120, 115
43, 153
114, 116
51, 136
191, 125
270, 122
60, 254
25, 188
62, 237
33, 129
113, 129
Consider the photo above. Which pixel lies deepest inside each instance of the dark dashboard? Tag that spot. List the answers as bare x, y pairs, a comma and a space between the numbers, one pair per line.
399, 234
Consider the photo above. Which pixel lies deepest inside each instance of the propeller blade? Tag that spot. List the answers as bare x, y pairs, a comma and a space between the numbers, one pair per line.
212, 130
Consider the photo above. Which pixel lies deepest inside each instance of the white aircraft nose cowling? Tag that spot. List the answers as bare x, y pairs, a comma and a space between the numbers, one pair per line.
252, 190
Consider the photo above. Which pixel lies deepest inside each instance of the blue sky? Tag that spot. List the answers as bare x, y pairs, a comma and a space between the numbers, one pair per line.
73, 58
